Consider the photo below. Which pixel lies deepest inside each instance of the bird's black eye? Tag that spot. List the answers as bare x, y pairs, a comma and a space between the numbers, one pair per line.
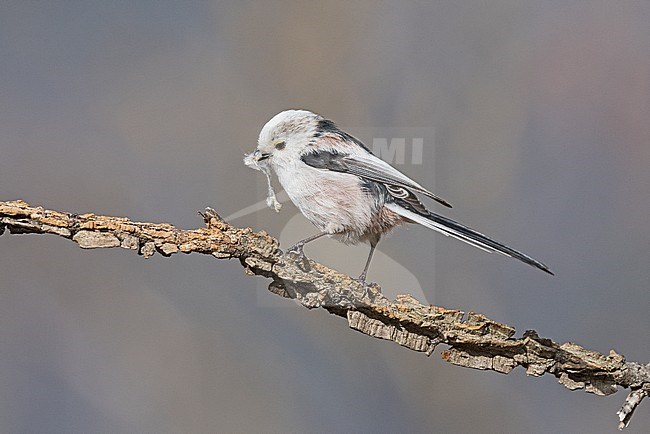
280, 145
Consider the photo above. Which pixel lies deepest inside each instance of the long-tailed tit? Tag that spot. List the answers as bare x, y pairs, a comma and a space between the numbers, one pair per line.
347, 192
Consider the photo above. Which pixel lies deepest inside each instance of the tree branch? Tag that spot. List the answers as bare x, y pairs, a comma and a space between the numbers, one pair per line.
474, 341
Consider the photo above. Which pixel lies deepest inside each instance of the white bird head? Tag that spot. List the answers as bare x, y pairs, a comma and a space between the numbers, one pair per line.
286, 135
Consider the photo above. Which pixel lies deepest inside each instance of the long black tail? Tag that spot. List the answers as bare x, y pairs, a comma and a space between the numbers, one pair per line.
470, 236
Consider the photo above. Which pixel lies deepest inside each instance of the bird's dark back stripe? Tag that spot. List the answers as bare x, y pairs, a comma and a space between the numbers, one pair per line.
327, 126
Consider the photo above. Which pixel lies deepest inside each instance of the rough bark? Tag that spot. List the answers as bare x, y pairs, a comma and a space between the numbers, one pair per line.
473, 340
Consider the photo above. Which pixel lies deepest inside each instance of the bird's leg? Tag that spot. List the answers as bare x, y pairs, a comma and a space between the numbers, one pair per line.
362, 277
297, 249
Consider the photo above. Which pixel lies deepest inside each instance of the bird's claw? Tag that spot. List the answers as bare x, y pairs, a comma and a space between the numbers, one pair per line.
366, 286
296, 252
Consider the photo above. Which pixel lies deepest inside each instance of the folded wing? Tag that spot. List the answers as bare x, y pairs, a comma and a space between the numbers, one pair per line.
369, 167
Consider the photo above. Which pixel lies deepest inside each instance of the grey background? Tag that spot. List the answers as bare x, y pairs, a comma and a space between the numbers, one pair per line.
541, 112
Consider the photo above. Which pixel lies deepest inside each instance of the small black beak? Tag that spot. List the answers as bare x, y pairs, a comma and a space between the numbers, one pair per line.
261, 156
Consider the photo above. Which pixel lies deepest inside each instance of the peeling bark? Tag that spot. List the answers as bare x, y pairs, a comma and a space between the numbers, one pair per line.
473, 340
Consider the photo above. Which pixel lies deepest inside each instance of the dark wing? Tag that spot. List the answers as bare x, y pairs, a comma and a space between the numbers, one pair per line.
369, 167
406, 198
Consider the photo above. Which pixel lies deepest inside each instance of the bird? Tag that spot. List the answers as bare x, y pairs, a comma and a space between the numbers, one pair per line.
347, 192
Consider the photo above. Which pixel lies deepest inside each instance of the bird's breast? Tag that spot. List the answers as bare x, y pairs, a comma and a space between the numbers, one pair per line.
332, 201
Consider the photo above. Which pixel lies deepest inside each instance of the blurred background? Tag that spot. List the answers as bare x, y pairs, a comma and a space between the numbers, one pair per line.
536, 120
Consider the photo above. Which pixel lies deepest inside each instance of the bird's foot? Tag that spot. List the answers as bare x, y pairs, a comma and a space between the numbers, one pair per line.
362, 278
297, 249
366, 286
296, 253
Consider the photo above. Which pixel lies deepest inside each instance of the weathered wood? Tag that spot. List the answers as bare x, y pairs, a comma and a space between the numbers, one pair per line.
474, 341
